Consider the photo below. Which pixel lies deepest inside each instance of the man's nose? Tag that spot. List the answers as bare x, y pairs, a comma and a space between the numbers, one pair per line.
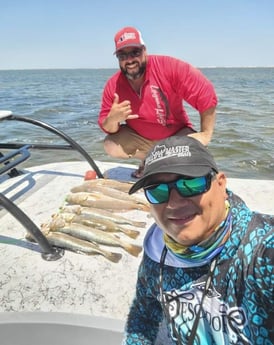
175, 198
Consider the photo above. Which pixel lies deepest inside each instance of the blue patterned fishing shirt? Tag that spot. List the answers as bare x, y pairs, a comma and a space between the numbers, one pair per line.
239, 306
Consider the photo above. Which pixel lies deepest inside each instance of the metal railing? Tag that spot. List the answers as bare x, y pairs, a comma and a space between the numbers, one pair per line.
19, 154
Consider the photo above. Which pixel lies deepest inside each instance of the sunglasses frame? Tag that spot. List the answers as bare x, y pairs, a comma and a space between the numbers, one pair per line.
173, 184
136, 52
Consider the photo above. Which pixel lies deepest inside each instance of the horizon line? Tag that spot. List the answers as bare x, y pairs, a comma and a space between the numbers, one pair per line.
83, 68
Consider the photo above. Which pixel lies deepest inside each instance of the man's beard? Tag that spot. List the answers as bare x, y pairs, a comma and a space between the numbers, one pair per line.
136, 75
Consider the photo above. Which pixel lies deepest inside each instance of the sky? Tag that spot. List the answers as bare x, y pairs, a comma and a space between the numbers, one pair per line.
38, 34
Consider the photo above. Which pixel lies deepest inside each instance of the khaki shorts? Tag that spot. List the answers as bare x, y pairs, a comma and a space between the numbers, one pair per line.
131, 142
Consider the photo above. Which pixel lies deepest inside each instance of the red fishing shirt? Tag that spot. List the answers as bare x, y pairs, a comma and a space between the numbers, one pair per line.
168, 82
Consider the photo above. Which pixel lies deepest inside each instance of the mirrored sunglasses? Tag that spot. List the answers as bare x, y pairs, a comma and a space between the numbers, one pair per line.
186, 187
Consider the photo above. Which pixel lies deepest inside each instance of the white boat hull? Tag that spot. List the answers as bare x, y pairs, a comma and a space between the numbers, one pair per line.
46, 328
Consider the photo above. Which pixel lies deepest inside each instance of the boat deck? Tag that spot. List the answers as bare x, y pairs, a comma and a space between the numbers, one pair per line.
76, 283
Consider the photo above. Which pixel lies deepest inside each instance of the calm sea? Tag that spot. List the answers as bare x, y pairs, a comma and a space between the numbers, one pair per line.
69, 100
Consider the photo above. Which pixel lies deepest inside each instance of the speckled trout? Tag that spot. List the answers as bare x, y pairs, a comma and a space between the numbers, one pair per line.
92, 220
94, 235
109, 191
119, 185
98, 200
103, 214
77, 245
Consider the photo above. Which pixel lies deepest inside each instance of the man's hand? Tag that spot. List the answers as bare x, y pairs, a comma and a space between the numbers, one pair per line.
119, 112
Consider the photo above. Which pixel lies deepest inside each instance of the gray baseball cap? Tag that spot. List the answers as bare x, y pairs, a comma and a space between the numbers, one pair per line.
182, 155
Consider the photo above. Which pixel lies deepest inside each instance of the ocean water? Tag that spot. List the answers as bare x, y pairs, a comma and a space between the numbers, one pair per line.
243, 141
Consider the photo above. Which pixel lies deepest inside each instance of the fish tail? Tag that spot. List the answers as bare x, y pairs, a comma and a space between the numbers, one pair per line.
144, 207
132, 249
114, 257
131, 233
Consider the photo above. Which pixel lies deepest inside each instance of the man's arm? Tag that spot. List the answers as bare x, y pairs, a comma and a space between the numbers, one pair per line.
207, 120
145, 312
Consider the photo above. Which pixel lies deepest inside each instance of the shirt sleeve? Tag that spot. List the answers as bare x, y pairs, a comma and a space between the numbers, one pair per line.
145, 312
193, 86
106, 102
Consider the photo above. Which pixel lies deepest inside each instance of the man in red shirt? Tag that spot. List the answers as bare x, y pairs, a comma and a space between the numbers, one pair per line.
143, 102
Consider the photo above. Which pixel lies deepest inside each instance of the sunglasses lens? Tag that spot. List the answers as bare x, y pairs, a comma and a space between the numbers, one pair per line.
121, 56
157, 194
192, 187
134, 53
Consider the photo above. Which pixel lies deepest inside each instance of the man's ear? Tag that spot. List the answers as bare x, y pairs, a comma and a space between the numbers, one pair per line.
221, 180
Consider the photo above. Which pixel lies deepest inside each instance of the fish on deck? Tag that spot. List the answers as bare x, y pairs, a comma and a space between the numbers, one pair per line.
92, 220
109, 191
68, 242
98, 236
123, 186
103, 214
98, 200
77, 245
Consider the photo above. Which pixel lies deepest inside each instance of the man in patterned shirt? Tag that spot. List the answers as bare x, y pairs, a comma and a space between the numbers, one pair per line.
208, 264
